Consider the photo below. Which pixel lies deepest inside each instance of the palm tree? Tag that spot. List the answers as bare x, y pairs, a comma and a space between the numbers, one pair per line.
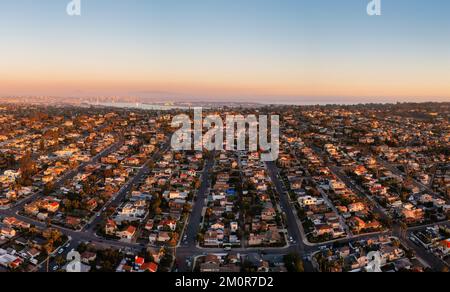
403, 229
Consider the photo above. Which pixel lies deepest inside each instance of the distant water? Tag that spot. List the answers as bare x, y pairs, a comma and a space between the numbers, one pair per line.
142, 106
311, 103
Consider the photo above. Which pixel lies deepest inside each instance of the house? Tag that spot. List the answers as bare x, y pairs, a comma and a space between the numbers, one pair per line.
22, 241
13, 222
344, 251
263, 267
234, 226
356, 207
31, 209
172, 195
163, 236
42, 216
153, 237
444, 247
134, 161
424, 199
52, 207
403, 265
446, 209
10, 261
212, 259
374, 225
131, 210
268, 213
336, 185
11, 195
8, 232
157, 254
218, 226
360, 170
210, 268
413, 215
331, 216
33, 252
255, 239
4, 202
111, 159
439, 203
211, 238
342, 209
308, 201
91, 204
47, 179
73, 221
38, 242
128, 233
296, 184
88, 257
149, 225
149, 267
171, 224
323, 229
391, 253
272, 235
111, 227
138, 261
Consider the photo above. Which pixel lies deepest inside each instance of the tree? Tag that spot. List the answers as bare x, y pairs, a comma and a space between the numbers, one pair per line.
187, 208
403, 229
294, 263
60, 260
42, 145
49, 188
174, 240
28, 169
67, 204
156, 205
52, 235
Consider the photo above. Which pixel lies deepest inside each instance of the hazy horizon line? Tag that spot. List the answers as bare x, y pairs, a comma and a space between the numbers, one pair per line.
144, 100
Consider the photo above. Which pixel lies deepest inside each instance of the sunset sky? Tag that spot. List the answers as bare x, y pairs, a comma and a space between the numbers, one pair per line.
252, 50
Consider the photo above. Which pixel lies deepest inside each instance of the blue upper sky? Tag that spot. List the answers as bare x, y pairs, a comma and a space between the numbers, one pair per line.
295, 50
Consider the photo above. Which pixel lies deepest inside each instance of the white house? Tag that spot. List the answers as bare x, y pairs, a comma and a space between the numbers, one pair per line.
309, 201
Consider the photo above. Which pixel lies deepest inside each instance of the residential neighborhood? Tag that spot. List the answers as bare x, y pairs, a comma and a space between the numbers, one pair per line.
352, 190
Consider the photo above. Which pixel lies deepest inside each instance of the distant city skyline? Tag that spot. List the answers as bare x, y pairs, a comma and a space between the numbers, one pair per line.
268, 51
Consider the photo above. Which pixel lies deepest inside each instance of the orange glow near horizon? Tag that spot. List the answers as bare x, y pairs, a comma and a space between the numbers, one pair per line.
232, 77
314, 86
